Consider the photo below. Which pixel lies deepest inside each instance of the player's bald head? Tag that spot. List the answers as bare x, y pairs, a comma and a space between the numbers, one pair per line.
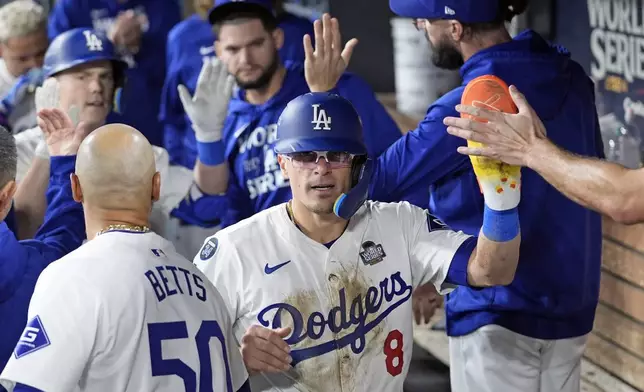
116, 170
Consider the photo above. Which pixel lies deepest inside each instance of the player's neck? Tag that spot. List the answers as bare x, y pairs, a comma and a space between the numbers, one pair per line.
260, 96
322, 228
488, 40
97, 219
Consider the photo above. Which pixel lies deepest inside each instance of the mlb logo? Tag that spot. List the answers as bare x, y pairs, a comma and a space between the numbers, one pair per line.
372, 253
209, 249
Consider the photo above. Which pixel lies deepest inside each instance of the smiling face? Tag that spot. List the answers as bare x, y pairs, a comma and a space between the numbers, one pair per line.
20, 54
316, 186
89, 87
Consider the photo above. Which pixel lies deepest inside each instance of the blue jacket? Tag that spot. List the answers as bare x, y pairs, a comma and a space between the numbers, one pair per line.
190, 43
22, 261
141, 97
556, 287
256, 181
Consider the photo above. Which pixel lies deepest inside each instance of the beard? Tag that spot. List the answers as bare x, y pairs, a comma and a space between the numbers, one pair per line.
445, 56
262, 80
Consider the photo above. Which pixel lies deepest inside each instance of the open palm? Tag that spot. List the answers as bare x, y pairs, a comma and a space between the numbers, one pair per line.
62, 136
324, 66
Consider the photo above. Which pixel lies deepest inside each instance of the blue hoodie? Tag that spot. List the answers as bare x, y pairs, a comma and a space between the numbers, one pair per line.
21, 262
190, 43
141, 97
556, 287
256, 181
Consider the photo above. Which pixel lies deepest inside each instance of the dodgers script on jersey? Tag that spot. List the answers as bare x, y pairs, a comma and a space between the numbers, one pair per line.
349, 306
125, 312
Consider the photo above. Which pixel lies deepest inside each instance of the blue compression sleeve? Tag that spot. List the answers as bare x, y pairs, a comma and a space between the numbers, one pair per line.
501, 226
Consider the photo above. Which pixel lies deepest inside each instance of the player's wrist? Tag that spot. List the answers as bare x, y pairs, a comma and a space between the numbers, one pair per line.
501, 225
541, 150
211, 153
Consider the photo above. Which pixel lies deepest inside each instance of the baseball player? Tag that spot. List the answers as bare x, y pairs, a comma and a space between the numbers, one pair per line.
320, 294
62, 231
83, 71
124, 312
530, 335
606, 187
190, 43
235, 140
139, 30
23, 42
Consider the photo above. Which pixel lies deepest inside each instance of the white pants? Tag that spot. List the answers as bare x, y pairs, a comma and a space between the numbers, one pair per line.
495, 359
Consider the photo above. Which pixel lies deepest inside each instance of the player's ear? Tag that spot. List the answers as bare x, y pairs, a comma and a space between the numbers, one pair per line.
156, 186
456, 30
278, 38
77, 192
6, 198
282, 162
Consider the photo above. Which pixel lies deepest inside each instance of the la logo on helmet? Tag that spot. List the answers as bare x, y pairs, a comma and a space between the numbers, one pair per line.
94, 44
320, 119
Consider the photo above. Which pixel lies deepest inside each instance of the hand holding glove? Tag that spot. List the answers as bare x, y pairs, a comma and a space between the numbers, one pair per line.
500, 183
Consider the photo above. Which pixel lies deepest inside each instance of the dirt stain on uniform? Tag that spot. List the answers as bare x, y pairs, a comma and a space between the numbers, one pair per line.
340, 369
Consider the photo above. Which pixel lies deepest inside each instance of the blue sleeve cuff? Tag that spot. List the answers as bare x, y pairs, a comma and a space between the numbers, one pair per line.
457, 273
61, 167
25, 388
211, 154
245, 387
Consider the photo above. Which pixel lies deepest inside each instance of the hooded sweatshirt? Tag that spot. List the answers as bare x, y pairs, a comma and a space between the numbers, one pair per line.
256, 181
556, 286
190, 43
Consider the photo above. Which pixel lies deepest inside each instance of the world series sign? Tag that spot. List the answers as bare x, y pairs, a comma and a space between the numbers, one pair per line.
607, 38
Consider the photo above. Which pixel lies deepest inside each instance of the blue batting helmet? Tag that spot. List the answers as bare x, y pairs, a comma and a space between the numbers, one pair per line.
81, 46
327, 122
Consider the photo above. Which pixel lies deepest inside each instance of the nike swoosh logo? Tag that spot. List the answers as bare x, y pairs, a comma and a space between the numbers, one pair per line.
269, 270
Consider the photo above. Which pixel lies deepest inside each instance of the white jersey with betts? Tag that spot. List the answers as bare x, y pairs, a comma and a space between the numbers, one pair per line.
125, 312
349, 305
176, 183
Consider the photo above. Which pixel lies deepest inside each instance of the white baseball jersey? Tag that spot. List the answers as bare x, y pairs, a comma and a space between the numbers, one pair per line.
176, 182
349, 305
125, 312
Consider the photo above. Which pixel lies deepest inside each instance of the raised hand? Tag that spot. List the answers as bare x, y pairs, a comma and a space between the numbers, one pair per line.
324, 66
208, 108
126, 32
62, 136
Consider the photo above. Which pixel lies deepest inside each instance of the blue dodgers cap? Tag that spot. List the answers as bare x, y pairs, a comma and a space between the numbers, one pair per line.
223, 8
466, 11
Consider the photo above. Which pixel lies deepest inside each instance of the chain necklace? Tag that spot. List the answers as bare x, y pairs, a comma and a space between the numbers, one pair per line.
124, 227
